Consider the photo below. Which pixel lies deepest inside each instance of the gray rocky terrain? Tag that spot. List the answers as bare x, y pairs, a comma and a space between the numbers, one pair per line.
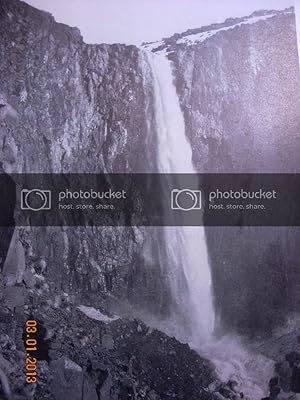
67, 106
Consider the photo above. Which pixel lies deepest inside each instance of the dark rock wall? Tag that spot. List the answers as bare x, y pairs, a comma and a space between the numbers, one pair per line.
81, 108
239, 92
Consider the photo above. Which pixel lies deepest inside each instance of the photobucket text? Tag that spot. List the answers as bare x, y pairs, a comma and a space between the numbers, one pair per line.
242, 194
91, 194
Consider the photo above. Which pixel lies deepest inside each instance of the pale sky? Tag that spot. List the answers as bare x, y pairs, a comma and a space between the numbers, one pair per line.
136, 21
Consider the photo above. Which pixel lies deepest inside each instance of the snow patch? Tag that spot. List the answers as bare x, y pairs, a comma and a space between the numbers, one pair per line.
153, 45
202, 36
97, 315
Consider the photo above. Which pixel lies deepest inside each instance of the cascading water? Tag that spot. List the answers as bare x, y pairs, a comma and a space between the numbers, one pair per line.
193, 315
189, 272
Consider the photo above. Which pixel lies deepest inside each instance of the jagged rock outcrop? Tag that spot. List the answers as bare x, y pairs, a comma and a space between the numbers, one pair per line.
99, 125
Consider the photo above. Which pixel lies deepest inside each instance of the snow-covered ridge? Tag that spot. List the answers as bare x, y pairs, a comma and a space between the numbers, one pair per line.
204, 34
200, 37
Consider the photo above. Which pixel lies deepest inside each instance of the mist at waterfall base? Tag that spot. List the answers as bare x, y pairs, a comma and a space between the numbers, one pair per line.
185, 256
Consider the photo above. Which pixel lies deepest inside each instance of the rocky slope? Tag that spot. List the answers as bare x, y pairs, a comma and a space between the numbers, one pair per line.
80, 358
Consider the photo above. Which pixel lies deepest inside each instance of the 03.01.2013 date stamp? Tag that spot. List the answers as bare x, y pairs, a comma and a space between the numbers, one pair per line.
31, 344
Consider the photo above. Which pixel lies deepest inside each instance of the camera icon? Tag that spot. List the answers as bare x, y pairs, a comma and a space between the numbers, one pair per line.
35, 199
185, 199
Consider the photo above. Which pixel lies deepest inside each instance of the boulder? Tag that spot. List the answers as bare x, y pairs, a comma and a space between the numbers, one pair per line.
14, 265
67, 379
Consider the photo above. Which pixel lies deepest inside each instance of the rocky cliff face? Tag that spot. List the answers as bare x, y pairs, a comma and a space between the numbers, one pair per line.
70, 107
238, 83
239, 89
88, 131
74, 108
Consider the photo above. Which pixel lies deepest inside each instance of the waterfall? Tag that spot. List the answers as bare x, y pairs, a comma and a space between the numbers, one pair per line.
186, 259
186, 251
